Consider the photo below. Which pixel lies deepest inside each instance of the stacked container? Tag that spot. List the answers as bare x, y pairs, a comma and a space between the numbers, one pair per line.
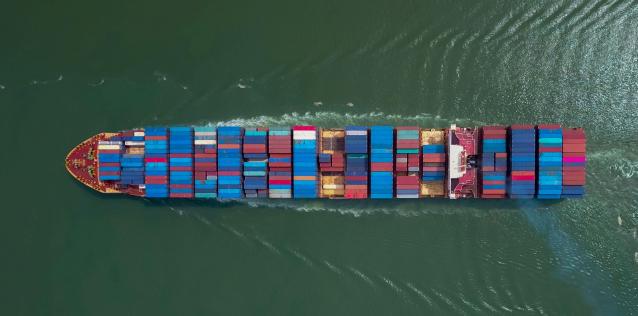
279, 163
494, 162
181, 162
156, 162
522, 162
133, 158
407, 162
255, 163
109, 160
229, 162
381, 165
434, 157
550, 161
205, 162
331, 162
574, 161
356, 181
304, 161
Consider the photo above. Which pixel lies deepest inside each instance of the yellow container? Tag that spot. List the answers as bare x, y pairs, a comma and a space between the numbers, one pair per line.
432, 136
433, 189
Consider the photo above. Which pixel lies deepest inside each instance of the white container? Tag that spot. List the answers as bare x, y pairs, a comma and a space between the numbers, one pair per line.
109, 147
205, 142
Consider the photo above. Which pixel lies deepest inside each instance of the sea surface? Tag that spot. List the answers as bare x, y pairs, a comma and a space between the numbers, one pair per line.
70, 69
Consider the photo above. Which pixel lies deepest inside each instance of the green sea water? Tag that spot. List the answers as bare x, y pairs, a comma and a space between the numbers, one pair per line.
70, 69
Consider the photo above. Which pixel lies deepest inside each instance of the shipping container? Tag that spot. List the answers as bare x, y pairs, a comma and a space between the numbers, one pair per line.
304, 155
332, 163
574, 160
255, 162
493, 162
433, 163
229, 162
550, 161
381, 162
407, 162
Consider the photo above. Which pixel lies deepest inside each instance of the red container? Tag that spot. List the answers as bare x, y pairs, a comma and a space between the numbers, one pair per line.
381, 166
180, 155
523, 178
332, 169
434, 157
278, 169
407, 180
109, 173
254, 149
574, 148
228, 146
176, 168
304, 128
155, 137
357, 178
180, 186
210, 151
181, 195
200, 175
156, 180
109, 151
153, 159
491, 182
273, 181
407, 144
500, 155
523, 173
494, 191
109, 164
428, 168
205, 156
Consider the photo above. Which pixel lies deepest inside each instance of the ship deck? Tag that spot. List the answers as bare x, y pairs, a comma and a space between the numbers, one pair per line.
81, 163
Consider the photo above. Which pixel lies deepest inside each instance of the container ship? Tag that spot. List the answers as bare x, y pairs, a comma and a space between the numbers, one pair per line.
356, 162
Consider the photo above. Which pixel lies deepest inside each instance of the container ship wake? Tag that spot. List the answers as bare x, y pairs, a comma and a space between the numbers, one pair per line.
356, 162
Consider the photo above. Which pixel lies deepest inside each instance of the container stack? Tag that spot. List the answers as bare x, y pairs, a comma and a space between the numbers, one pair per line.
156, 162
180, 162
133, 158
109, 160
574, 161
407, 162
205, 143
356, 182
331, 163
381, 166
550, 161
522, 162
255, 163
434, 157
304, 161
494, 162
229, 159
279, 163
